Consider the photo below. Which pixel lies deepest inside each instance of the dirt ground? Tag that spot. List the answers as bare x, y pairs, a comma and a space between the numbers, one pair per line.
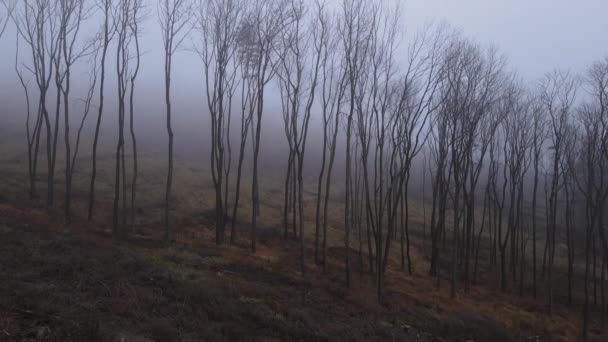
76, 284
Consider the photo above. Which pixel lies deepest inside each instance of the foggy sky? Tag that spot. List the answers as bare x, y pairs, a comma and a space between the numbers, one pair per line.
535, 36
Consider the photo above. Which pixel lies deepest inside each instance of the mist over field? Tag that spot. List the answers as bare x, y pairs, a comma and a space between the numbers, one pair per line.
412, 170
533, 36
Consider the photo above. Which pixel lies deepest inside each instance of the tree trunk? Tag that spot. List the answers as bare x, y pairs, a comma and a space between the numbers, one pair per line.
319, 195
255, 184
99, 114
534, 199
168, 232
134, 149
68, 153
238, 185
286, 199
406, 226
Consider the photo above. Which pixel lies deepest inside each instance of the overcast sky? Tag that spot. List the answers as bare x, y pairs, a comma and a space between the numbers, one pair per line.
535, 35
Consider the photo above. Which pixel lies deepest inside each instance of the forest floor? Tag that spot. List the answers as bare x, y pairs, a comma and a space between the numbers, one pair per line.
74, 282
78, 284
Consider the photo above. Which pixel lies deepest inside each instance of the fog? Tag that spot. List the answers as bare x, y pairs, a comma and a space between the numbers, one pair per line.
535, 36
505, 99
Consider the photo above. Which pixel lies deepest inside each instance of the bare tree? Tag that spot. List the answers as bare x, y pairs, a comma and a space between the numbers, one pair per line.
331, 88
440, 131
497, 191
418, 89
174, 19
219, 23
292, 59
301, 52
488, 95
539, 136
558, 92
568, 168
319, 31
30, 134
59, 79
488, 128
592, 183
265, 22
358, 20
518, 141
122, 17
136, 18
285, 89
71, 14
469, 89
107, 34
37, 25
246, 54
87, 101
127, 18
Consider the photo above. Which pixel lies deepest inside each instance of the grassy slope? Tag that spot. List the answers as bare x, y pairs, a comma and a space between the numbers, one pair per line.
81, 285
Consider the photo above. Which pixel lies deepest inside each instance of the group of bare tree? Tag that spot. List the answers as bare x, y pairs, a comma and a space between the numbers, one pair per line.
56, 41
485, 134
52, 33
487, 111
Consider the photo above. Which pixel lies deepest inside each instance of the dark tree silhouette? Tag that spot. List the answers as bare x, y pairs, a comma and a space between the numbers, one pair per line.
264, 25
218, 24
558, 92
107, 34
134, 24
174, 19
37, 25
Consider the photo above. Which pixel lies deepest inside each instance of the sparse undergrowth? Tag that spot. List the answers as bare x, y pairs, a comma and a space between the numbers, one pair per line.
77, 286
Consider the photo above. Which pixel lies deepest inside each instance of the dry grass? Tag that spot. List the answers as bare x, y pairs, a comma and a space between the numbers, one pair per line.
269, 284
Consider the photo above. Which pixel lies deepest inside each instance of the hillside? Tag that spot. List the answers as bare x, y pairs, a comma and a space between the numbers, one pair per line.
75, 283
78, 284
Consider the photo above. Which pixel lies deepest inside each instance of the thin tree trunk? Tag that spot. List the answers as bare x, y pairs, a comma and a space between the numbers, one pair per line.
238, 186
402, 231
534, 208
255, 184
99, 115
51, 170
455, 242
594, 275
168, 233
300, 159
587, 266
602, 291
294, 200
123, 165
286, 201
319, 196
135, 158
479, 235
406, 226
569, 246
68, 152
